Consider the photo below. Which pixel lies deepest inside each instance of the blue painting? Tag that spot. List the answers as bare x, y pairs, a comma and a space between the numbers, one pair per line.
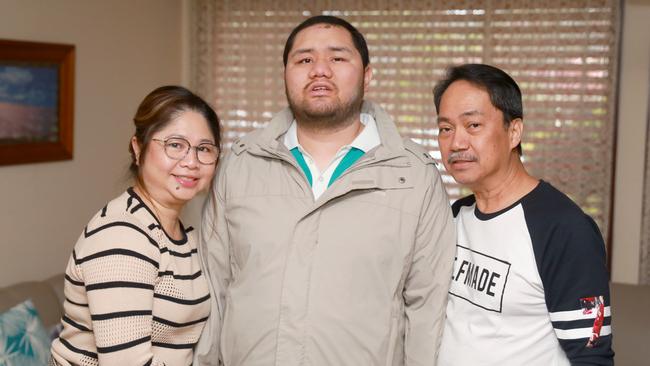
28, 103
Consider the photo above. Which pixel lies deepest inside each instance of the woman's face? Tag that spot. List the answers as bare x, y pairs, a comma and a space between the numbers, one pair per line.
172, 182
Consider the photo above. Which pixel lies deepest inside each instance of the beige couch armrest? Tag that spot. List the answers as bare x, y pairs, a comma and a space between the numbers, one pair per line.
47, 297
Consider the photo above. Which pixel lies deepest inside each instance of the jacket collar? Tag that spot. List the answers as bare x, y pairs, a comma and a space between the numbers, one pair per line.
269, 139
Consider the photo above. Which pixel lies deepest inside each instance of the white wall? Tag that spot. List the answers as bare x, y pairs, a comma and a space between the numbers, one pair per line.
631, 139
124, 49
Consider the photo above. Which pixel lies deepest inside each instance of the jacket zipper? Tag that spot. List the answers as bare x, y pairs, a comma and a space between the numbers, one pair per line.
284, 158
370, 162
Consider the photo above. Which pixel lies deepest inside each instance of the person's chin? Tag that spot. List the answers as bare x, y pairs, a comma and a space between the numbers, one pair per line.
183, 194
320, 108
183, 197
464, 177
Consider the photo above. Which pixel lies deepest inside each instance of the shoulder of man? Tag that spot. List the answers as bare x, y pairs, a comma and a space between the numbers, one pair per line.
419, 152
559, 208
242, 144
275, 127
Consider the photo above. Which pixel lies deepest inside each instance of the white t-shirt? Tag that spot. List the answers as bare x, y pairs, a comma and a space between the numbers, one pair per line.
529, 287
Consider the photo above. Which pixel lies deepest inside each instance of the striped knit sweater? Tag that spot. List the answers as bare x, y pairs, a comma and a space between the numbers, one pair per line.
134, 295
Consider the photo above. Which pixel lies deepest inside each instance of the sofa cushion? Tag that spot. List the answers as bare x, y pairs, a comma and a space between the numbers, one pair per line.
23, 340
56, 284
43, 296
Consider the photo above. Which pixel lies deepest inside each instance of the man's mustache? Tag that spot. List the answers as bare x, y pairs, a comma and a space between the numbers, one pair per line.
461, 155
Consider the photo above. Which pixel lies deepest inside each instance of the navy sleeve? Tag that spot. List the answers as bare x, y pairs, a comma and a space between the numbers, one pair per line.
571, 261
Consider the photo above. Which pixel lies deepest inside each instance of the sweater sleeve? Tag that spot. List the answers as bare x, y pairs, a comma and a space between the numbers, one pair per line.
118, 264
570, 256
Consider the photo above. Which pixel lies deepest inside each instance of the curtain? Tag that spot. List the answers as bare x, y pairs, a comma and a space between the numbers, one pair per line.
563, 55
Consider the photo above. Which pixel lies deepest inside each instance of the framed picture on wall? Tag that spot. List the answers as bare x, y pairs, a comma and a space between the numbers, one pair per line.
36, 102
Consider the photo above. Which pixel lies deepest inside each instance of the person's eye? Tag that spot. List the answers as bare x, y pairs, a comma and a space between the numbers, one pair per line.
338, 59
176, 145
444, 129
305, 60
206, 148
474, 125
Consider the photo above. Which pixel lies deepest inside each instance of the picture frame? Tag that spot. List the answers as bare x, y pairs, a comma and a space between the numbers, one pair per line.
36, 101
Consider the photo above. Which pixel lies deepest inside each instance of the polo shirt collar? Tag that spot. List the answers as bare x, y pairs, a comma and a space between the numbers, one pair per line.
367, 140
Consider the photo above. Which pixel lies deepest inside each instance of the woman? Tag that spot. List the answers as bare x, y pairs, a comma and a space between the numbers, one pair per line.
135, 293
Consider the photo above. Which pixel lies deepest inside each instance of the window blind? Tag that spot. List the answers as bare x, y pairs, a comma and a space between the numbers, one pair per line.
563, 54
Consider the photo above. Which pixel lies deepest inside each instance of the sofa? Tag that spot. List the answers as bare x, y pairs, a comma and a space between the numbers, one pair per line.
47, 297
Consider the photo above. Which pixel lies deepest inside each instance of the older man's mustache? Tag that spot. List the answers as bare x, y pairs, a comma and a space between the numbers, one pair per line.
461, 156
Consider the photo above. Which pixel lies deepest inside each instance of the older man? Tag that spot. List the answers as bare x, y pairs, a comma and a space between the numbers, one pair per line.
331, 241
530, 285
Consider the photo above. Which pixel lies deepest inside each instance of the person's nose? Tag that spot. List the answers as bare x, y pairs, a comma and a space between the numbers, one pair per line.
321, 68
191, 159
459, 140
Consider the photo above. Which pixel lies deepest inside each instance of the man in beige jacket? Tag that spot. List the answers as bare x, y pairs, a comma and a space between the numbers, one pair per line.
331, 240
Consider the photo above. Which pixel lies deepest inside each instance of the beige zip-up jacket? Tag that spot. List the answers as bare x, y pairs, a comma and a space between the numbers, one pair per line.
357, 277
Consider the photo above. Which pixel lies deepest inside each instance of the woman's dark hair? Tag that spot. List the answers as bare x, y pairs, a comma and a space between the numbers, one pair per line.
357, 37
504, 92
157, 110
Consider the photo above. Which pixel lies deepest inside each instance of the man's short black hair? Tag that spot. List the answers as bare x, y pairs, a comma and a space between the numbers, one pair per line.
357, 37
504, 92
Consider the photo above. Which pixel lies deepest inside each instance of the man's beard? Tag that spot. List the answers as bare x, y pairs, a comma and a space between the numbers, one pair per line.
329, 116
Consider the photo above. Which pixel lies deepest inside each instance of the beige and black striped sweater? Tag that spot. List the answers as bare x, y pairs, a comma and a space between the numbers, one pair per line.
134, 295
